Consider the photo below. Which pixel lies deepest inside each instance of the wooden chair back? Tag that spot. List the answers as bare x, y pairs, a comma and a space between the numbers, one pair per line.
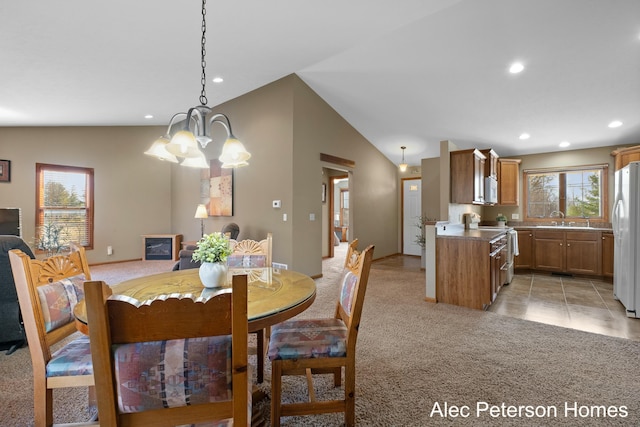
254, 258
359, 264
302, 338
113, 321
30, 275
251, 248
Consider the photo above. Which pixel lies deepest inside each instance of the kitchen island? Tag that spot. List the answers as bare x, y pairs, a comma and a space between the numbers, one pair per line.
471, 265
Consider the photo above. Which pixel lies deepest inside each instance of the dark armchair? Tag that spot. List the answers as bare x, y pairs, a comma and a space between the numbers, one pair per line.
12, 334
185, 262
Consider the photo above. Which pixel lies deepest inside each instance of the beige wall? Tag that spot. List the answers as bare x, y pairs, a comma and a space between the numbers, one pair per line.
284, 125
132, 191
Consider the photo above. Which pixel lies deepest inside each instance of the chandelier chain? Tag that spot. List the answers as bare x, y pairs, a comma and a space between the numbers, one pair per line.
203, 52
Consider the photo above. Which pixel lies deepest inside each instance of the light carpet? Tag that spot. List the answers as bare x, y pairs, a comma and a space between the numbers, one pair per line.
414, 356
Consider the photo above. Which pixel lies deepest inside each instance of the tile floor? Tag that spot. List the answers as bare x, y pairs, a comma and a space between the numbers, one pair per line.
571, 302
577, 303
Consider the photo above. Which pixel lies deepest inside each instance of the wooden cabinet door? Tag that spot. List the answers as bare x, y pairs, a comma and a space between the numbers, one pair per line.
467, 176
607, 254
478, 177
549, 253
525, 249
508, 182
583, 252
491, 163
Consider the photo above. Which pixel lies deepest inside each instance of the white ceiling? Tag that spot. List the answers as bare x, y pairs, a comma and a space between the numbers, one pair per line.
402, 72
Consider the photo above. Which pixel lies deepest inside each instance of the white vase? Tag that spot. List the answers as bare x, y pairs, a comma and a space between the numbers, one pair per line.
213, 274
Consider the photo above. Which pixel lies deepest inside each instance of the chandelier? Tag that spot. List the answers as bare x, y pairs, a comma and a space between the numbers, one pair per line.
195, 129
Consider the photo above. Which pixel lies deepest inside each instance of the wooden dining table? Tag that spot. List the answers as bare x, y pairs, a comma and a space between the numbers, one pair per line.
274, 295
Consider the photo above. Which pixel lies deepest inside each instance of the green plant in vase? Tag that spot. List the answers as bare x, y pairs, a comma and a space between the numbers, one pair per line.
212, 251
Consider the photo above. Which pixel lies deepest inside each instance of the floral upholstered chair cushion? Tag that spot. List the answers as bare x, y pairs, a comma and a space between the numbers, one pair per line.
72, 359
308, 338
313, 338
173, 373
347, 290
58, 300
247, 261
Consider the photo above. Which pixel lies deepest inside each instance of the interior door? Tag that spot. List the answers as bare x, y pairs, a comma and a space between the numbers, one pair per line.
412, 209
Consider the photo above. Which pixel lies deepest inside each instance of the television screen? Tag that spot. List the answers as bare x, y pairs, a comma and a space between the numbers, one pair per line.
10, 222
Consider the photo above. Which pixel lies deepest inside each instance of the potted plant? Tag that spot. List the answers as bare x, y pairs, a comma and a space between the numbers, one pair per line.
51, 239
421, 238
212, 251
502, 220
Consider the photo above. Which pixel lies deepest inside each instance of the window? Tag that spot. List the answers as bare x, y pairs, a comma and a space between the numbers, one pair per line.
64, 206
577, 192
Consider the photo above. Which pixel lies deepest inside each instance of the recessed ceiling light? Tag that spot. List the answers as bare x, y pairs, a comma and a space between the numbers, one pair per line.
615, 124
148, 116
218, 79
516, 67
564, 144
525, 136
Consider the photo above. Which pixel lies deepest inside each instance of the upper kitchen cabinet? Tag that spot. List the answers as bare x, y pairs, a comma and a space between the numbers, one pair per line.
491, 163
624, 156
467, 176
508, 182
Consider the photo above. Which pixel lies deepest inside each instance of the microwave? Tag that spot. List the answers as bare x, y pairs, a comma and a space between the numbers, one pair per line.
490, 190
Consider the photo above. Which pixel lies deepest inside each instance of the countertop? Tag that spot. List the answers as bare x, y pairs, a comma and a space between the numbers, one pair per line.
457, 231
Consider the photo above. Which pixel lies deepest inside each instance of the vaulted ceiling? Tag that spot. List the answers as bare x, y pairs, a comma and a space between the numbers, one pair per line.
402, 72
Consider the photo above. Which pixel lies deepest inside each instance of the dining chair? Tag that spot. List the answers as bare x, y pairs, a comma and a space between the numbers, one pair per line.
248, 254
170, 361
322, 346
47, 292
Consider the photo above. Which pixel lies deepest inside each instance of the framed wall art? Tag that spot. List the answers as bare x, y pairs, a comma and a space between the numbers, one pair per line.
216, 189
5, 170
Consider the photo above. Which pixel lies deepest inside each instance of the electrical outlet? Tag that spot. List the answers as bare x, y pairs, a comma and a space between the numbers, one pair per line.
109, 250
515, 216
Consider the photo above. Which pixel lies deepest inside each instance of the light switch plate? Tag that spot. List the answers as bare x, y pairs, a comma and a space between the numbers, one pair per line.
515, 216
276, 203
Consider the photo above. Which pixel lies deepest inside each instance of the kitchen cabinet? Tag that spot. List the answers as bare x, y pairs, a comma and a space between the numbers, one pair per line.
524, 260
607, 254
490, 163
470, 271
584, 252
467, 176
576, 252
508, 182
549, 250
623, 156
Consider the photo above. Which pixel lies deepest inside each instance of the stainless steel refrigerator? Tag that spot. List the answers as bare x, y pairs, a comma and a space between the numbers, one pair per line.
626, 230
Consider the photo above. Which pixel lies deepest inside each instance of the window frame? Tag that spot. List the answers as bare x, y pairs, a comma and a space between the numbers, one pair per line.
41, 168
604, 191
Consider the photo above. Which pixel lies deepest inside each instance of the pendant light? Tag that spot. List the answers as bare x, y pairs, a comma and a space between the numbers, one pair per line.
195, 129
403, 165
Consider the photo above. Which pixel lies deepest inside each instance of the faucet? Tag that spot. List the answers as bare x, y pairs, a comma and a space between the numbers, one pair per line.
559, 213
